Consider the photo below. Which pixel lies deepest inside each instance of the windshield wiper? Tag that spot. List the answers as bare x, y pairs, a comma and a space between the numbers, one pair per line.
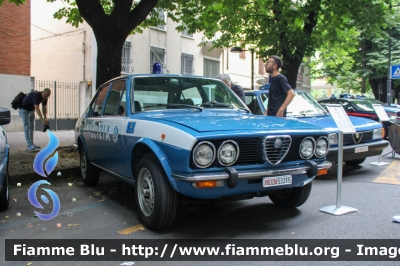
244, 109
174, 105
215, 104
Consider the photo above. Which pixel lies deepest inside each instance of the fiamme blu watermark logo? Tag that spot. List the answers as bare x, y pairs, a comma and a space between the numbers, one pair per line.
49, 166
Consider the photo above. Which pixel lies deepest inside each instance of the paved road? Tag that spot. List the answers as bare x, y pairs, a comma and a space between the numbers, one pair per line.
107, 211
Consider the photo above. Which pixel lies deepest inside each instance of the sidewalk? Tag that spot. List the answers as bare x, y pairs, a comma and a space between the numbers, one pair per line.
21, 160
17, 143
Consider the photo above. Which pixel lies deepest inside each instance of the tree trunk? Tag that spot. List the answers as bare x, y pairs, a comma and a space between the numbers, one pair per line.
379, 88
112, 30
109, 54
291, 69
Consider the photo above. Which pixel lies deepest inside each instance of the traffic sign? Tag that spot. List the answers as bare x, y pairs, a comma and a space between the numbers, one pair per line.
395, 72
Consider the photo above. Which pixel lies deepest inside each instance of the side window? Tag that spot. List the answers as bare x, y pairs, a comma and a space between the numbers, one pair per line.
98, 104
345, 106
116, 100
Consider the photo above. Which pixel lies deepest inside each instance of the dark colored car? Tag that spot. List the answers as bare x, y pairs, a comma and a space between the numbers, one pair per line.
4, 158
364, 108
366, 142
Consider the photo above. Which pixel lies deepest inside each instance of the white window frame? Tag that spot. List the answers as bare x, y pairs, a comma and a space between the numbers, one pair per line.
126, 60
186, 34
163, 16
187, 62
158, 55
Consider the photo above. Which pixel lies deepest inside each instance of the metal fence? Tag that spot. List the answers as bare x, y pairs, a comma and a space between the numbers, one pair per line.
64, 100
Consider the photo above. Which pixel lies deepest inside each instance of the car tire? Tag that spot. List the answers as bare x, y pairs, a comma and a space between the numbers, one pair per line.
291, 197
355, 161
4, 194
90, 175
156, 200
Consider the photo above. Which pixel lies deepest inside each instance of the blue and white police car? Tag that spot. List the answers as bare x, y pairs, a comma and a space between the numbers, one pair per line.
184, 137
366, 142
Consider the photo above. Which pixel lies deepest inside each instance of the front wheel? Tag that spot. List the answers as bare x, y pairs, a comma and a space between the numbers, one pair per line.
90, 175
155, 198
355, 161
4, 194
291, 197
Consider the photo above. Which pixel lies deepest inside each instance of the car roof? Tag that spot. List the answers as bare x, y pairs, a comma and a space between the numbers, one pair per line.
158, 75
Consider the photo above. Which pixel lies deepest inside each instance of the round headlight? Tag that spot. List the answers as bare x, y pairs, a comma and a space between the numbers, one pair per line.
321, 148
204, 154
307, 148
228, 153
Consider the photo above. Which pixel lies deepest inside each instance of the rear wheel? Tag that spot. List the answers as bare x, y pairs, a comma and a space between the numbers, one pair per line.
90, 175
291, 197
355, 161
4, 194
156, 200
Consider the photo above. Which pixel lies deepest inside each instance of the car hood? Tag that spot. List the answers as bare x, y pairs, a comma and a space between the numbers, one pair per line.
327, 122
217, 121
392, 110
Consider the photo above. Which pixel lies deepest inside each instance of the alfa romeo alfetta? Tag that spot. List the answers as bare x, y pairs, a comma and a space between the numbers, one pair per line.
184, 137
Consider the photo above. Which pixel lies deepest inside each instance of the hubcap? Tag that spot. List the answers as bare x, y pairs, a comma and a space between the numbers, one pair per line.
145, 188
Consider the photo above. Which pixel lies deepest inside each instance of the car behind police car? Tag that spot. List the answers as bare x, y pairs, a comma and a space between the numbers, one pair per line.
179, 137
366, 142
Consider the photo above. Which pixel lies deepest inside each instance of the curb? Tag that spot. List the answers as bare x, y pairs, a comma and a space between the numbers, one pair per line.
67, 175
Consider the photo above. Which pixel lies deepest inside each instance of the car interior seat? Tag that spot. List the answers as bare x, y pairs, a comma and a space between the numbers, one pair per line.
138, 108
187, 101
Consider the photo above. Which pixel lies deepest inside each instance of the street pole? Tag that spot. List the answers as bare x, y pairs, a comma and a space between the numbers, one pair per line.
389, 81
252, 69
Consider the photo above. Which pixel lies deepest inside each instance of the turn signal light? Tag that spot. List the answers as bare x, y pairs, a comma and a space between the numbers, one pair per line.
322, 171
383, 132
206, 184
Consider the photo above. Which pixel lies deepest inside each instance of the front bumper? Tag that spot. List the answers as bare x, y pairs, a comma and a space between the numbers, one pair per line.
252, 174
349, 152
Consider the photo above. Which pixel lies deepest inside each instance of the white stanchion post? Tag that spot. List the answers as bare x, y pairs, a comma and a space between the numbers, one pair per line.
344, 124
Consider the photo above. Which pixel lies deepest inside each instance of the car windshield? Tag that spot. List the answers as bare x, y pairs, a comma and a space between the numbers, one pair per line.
375, 101
362, 105
303, 104
157, 93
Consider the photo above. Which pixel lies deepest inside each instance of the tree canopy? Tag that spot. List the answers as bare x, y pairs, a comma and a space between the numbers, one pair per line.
290, 29
17, 2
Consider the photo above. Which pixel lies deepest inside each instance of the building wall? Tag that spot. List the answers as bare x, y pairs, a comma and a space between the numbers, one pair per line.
15, 58
15, 39
58, 49
11, 85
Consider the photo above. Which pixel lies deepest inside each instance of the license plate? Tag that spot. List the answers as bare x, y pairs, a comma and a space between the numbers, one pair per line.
361, 149
277, 181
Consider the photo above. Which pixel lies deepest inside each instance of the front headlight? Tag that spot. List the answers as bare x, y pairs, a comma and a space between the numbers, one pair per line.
333, 139
228, 153
321, 148
307, 148
204, 154
377, 133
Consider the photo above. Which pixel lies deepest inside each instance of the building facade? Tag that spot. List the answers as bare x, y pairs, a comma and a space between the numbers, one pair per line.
15, 56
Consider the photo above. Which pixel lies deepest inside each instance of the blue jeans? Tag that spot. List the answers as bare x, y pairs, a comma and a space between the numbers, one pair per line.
28, 120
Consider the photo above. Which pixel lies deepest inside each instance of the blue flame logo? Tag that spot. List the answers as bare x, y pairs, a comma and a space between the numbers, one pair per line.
44, 153
33, 200
49, 167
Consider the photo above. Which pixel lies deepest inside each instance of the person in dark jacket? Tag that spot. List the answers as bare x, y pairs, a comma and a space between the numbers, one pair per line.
30, 104
236, 88
280, 92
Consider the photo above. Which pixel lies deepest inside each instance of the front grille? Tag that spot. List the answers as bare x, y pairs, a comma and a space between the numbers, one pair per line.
257, 150
276, 148
349, 140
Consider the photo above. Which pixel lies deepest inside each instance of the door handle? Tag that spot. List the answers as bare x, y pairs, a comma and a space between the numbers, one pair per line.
97, 123
83, 122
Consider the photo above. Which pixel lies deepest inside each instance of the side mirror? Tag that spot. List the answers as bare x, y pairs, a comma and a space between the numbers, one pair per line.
5, 116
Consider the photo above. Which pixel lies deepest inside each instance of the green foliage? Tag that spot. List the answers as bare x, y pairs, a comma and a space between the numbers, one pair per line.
73, 17
17, 2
